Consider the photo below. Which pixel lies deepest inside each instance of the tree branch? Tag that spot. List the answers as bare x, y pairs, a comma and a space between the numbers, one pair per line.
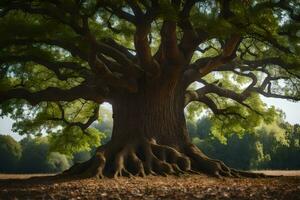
50, 10
191, 37
51, 65
82, 126
112, 43
214, 108
114, 9
73, 49
168, 49
223, 92
54, 94
203, 66
119, 56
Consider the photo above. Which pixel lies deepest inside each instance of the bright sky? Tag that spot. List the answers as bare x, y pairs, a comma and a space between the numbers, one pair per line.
291, 109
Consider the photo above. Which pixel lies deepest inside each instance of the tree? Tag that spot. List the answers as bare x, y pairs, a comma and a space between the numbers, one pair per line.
10, 153
65, 57
270, 146
287, 157
57, 162
36, 157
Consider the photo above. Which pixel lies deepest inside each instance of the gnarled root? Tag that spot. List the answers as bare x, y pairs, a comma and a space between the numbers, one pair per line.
200, 162
146, 157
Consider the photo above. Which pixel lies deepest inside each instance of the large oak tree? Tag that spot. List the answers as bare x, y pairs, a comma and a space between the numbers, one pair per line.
60, 59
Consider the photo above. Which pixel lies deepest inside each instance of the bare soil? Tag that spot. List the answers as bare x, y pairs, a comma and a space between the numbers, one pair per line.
152, 187
280, 172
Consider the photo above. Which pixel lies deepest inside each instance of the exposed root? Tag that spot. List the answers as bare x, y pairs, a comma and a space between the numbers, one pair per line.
146, 157
200, 162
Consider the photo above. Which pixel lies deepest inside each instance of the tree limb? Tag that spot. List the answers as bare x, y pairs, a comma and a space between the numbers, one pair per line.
214, 108
203, 66
54, 94
82, 126
49, 64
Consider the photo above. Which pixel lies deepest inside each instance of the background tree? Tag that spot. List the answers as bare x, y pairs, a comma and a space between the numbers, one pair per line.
36, 157
10, 153
287, 158
61, 59
269, 146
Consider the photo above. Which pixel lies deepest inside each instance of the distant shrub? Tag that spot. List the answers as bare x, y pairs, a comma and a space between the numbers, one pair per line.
81, 156
36, 157
10, 153
57, 162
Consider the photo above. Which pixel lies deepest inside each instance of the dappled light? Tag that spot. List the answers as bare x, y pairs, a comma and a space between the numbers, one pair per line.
111, 89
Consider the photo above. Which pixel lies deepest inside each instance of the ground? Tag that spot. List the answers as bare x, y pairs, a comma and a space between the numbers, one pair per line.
153, 187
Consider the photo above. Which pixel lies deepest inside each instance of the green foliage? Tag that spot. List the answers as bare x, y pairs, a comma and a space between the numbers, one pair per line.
36, 157
269, 146
73, 140
33, 155
267, 32
65, 135
10, 153
168, 11
81, 156
57, 162
243, 118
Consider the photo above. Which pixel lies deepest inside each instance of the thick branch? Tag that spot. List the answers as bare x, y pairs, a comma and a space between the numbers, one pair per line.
73, 49
211, 88
49, 64
168, 50
191, 37
199, 94
119, 47
223, 92
203, 66
54, 94
119, 56
143, 50
214, 108
138, 13
117, 11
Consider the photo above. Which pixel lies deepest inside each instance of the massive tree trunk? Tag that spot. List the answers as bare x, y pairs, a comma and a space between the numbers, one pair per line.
150, 137
156, 112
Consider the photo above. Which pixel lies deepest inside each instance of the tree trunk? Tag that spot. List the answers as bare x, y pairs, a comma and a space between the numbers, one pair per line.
153, 113
150, 137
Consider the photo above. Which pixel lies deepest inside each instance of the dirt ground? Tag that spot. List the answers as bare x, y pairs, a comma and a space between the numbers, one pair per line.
153, 187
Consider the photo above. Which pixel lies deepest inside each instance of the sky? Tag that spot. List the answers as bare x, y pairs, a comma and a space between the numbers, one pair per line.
291, 109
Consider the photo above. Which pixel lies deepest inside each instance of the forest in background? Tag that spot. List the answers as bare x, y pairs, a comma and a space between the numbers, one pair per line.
270, 146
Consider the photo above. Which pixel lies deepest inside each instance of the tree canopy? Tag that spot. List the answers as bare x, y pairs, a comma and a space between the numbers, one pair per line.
60, 59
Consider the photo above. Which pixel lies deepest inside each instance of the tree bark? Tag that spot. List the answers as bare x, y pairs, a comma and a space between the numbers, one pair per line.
150, 137
153, 113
